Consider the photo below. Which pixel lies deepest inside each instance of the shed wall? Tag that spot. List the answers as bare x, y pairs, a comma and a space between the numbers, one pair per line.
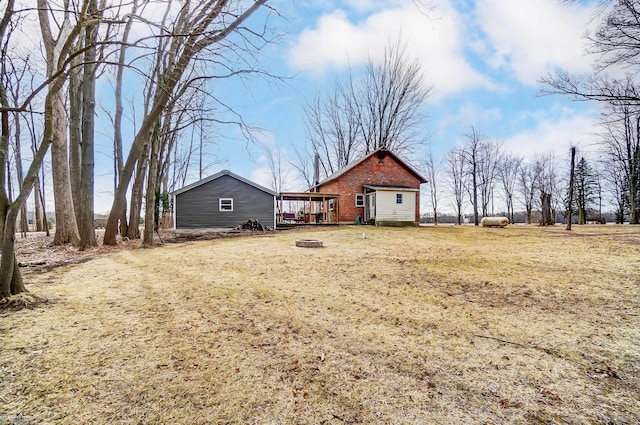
388, 210
199, 207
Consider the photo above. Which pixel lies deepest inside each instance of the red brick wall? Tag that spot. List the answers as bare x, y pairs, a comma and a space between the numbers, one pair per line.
379, 169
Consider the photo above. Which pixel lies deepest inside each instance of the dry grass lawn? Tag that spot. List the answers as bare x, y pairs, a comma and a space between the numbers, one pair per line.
446, 325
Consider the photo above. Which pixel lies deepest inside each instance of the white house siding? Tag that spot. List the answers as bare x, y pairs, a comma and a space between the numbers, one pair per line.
387, 210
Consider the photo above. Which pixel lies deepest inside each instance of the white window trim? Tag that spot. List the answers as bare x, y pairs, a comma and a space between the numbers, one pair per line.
331, 204
361, 197
399, 197
225, 209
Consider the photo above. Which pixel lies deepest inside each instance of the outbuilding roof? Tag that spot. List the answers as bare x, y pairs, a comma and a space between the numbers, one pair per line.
380, 151
390, 187
217, 176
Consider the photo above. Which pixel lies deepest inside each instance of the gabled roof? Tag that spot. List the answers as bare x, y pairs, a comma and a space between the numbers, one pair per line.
383, 187
217, 176
365, 158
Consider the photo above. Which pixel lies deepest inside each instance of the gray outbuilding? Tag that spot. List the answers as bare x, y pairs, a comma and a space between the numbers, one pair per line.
222, 201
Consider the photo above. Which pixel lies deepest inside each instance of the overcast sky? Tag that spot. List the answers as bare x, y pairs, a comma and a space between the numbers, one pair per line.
484, 59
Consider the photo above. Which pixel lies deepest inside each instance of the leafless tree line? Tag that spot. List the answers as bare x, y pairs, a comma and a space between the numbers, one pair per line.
173, 52
616, 51
481, 174
538, 188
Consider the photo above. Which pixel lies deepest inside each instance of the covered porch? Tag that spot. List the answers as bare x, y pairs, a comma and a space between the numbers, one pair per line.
306, 208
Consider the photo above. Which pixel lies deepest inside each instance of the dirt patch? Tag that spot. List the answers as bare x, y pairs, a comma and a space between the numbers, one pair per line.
36, 253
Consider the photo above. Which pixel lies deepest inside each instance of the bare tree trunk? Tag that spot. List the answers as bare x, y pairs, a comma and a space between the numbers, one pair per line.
136, 196
472, 154
10, 279
571, 180
87, 227
117, 123
546, 219
150, 198
633, 154
66, 225
476, 221
38, 206
40, 221
24, 219
432, 171
45, 220
75, 133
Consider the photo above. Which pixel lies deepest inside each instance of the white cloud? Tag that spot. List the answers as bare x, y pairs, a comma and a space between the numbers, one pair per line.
262, 176
268, 154
370, 5
531, 38
527, 133
555, 130
336, 41
469, 114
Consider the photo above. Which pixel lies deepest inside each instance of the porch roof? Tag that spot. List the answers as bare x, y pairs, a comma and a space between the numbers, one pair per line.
306, 196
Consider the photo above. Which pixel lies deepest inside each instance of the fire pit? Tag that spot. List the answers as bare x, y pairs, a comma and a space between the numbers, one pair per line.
309, 243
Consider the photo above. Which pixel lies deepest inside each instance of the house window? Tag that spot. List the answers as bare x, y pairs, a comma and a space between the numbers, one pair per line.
330, 204
226, 204
398, 198
359, 200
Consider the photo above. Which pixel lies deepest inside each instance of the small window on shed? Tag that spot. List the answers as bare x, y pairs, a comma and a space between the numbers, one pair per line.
398, 198
226, 204
359, 200
330, 204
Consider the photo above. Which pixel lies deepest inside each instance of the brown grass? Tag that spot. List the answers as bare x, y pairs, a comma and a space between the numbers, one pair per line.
408, 326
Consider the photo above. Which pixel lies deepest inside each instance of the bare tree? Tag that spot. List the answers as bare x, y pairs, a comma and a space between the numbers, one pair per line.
614, 46
615, 180
391, 100
616, 40
473, 156
15, 77
66, 223
621, 143
383, 107
10, 278
42, 224
432, 171
508, 171
333, 128
526, 181
488, 167
85, 203
206, 25
118, 155
546, 184
303, 164
277, 165
615, 43
456, 167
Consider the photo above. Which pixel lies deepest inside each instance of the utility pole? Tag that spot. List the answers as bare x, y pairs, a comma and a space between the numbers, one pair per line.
571, 176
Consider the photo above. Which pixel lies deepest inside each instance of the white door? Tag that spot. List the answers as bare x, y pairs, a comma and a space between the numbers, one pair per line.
370, 206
